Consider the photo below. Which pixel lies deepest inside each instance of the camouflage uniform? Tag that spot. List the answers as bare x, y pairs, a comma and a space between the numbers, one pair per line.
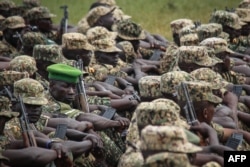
12, 22
5, 6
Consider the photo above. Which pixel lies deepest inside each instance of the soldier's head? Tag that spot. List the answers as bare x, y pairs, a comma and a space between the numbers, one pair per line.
40, 17
75, 46
12, 27
5, 6
32, 94
202, 97
63, 79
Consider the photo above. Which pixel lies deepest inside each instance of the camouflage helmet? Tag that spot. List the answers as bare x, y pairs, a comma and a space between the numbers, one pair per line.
226, 18
244, 4
129, 30
9, 77
159, 112
198, 91
167, 159
108, 2
177, 25
189, 40
13, 22
218, 44
31, 91
208, 75
5, 109
196, 54
6, 4
52, 53
97, 12
170, 81
243, 13
149, 87
30, 39
37, 13
128, 50
23, 63
166, 138
76, 40
31, 3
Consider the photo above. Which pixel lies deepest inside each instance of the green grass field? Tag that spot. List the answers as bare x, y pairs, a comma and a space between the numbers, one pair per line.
154, 15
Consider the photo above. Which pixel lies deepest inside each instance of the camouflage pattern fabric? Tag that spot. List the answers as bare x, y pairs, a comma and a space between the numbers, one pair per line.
75, 41
13, 22
9, 77
30, 39
83, 26
5, 110
104, 45
7, 49
131, 159
169, 61
129, 30
95, 13
233, 77
133, 131
244, 4
208, 75
149, 87
168, 138
240, 44
37, 13
31, 3
196, 54
167, 159
31, 91
189, 29
189, 40
128, 50
211, 164
98, 32
118, 14
170, 81
198, 91
145, 52
99, 100
108, 2
244, 14
177, 25
23, 63
6, 4
226, 18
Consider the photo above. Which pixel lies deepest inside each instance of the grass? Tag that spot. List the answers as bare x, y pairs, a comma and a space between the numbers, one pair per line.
154, 15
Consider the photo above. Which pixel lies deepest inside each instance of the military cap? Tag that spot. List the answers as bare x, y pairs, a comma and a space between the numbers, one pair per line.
128, 50
169, 60
75, 40
170, 81
243, 13
211, 164
31, 3
108, 2
102, 39
6, 4
5, 108
63, 72
119, 15
9, 77
218, 44
1, 18
226, 18
83, 26
208, 75
40, 12
149, 87
33, 38
189, 40
52, 53
244, 4
167, 159
99, 32
198, 91
131, 159
31, 91
158, 112
211, 30
129, 30
23, 63
13, 22
189, 29
196, 54
97, 12
177, 25
166, 138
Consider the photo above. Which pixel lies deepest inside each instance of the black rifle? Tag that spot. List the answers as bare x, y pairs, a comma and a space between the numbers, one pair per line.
18, 35
82, 102
64, 20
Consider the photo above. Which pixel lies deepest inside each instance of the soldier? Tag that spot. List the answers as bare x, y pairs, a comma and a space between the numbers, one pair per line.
5, 7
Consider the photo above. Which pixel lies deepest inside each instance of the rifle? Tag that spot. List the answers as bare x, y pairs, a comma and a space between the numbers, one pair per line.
82, 102
18, 35
28, 136
64, 20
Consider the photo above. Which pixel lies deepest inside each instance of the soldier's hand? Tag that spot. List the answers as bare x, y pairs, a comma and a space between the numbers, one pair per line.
123, 121
95, 139
60, 149
84, 126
